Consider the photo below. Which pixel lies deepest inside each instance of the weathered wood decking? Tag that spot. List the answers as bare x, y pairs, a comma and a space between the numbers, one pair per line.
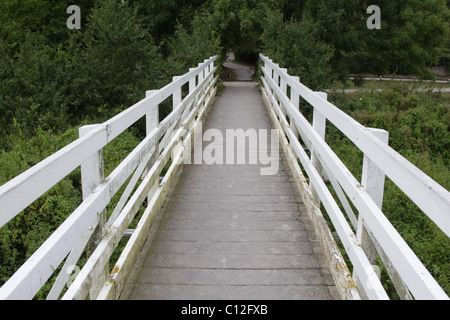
227, 232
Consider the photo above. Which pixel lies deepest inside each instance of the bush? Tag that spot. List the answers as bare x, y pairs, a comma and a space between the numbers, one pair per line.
32, 87
308, 58
113, 62
187, 49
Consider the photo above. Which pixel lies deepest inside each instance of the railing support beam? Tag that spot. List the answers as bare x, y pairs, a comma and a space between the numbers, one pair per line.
295, 99
373, 180
319, 124
92, 175
152, 121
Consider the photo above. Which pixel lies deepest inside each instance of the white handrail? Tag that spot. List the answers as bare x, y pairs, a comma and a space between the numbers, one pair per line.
77, 228
432, 198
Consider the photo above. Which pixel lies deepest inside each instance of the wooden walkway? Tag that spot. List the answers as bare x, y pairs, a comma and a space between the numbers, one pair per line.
227, 232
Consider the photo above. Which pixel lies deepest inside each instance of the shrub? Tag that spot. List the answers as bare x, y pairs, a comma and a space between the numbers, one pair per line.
298, 48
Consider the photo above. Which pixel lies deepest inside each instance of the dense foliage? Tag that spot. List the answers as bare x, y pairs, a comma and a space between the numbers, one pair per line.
304, 34
52, 80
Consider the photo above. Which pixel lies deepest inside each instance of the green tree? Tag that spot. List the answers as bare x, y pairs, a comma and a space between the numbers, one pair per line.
31, 89
339, 24
162, 18
114, 61
35, 71
45, 17
187, 49
298, 48
412, 37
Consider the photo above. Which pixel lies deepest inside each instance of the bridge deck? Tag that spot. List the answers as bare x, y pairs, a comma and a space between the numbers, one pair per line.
227, 232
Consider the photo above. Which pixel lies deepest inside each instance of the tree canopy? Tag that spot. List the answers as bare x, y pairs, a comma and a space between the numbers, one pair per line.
53, 77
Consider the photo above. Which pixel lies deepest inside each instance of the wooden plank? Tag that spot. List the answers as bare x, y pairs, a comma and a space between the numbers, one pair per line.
218, 198
234, 277
230, 215
229, 261
247, 225
234, 236
202, 292
240, 206
243, 248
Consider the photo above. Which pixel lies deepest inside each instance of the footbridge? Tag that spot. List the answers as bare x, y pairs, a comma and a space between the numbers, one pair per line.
234, 195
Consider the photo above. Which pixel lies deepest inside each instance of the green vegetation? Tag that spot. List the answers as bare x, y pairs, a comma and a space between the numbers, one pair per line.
314, 67
303, 35
374, 85
53, 80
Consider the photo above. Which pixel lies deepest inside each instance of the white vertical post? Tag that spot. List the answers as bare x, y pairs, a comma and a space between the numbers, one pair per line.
373, 182
266, 68
372, 177
319, 121
276, 77
200, 75
275, 73
92, 175
152, 121
192, 82
283, 83
283, 87
206, 70
188, 153
209, 68
152, 117
295, 99
319, 124
271, 72
176, 95
176, 99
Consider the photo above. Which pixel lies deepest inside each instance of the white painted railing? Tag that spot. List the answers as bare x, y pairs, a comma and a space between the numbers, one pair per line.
374, 233
165, 141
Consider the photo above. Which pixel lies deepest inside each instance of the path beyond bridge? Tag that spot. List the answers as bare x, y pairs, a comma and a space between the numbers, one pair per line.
226, 231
